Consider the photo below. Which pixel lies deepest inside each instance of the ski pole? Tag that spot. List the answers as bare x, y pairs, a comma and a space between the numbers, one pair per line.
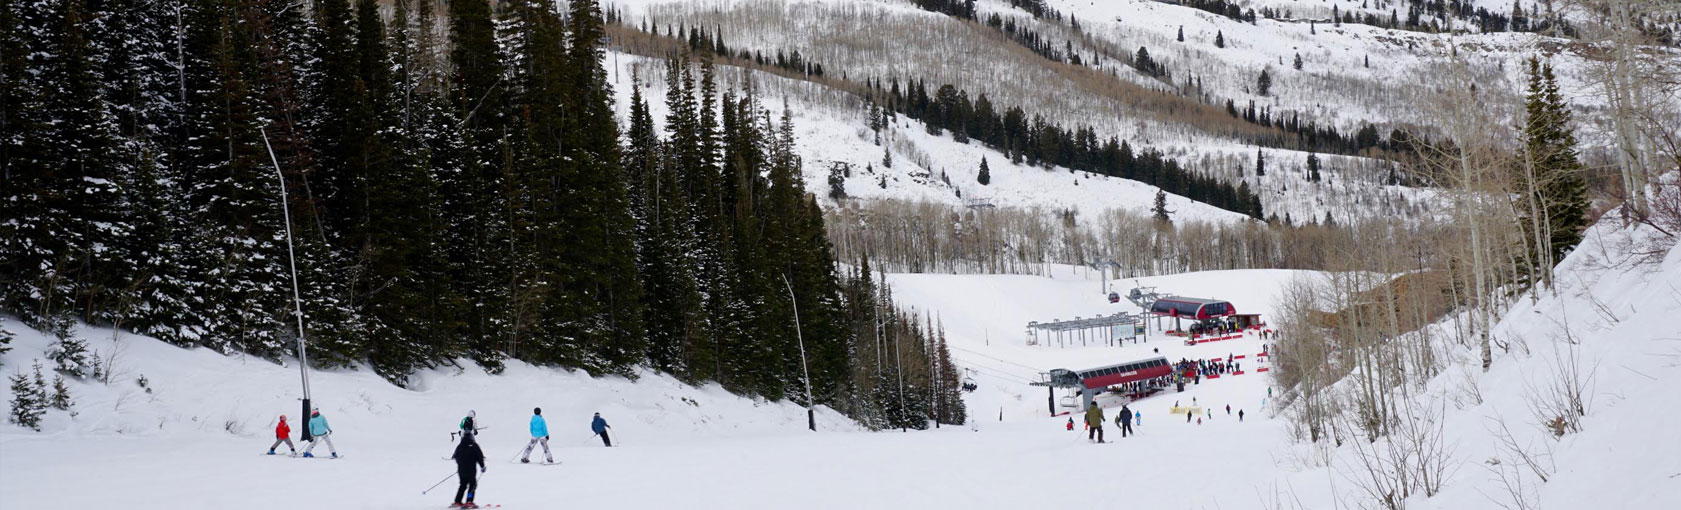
435, 485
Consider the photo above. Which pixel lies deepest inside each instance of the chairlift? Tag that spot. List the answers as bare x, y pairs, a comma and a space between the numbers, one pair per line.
1114, 297
969, 382
1068, 401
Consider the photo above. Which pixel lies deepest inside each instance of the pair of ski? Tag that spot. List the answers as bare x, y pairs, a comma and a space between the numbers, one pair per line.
555, 463
474, 505
301, 456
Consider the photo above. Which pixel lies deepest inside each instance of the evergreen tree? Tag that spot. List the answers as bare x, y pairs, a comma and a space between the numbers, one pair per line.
985, 175
1298, 63
1219, 39
1181, 36
1560, 188
1260, 163
1160, 208
29, 400
1263, 83
1313, 167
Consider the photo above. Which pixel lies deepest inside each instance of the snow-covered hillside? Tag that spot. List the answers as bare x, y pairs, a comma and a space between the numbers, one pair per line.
208, 418
925, 168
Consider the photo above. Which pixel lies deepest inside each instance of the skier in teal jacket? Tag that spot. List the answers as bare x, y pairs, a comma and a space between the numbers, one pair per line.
318, 427
539, 436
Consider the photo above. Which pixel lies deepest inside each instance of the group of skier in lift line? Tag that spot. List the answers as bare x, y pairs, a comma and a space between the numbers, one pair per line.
467, 456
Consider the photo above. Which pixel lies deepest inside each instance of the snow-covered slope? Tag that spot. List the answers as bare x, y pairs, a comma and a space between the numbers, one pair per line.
827, 134
196, 440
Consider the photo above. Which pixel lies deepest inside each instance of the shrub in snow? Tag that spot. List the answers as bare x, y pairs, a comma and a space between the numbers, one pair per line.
29, 400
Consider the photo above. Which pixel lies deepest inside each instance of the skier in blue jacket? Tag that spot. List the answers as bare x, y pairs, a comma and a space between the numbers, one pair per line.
539, 435
600, 427
318, 427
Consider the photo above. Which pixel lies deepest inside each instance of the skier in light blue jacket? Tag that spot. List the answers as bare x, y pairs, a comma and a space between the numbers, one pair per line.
318, 427
539, 435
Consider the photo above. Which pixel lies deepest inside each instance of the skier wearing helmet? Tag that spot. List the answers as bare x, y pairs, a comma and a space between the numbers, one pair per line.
318, 427
282, 434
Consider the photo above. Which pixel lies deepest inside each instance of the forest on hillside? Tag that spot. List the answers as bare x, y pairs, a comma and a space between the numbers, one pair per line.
457, 186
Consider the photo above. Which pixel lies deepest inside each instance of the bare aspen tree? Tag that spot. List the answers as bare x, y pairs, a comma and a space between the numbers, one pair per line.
1639, 87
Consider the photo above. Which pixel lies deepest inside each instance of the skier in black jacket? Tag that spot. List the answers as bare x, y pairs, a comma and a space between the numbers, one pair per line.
467, 454
1126, 420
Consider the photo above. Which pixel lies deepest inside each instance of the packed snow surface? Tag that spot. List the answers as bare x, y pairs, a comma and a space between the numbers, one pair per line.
196, 440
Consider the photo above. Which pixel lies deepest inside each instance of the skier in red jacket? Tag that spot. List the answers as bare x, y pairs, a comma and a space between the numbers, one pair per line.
282, 434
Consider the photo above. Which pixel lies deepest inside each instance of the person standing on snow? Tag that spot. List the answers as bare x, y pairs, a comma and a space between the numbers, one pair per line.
318, 428
1094, 422
282, 434
539, 435
467, 454
1239, 415
600, 427
1126, 421
1138, 418
1070, 423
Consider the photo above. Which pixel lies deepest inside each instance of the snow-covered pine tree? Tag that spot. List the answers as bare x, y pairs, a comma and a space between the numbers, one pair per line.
28, 401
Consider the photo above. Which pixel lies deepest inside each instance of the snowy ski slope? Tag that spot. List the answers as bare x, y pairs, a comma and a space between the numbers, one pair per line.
196, 440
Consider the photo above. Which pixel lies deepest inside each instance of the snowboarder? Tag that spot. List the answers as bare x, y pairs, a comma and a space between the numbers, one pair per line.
600, 427
282, 434
539, 435
1239, 415
1094, 422
1126, 421
318, 427
467, 454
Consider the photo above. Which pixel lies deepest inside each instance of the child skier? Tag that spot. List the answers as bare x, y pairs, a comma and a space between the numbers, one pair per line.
539, 435
467, 454
467, 426
600, 427
282, 434
318, 427
1070, 423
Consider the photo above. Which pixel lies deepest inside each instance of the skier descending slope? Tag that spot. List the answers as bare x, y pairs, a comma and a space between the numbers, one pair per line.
468, 428
600, 427
282, 434
1124, 419
539, 435
318, 427
1094, 422
467, 454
